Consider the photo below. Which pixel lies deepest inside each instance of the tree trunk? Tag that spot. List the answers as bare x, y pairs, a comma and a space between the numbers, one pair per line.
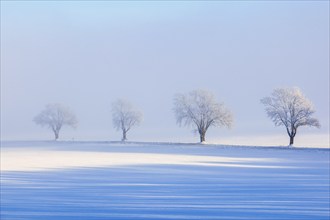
124, 136
202, 137
291, 140
56, 135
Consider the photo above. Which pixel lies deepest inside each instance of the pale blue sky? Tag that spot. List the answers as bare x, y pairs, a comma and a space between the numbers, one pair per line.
86, 54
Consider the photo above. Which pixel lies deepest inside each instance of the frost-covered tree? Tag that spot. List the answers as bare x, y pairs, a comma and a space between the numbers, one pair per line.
55, 116
125, 116
200, 109
288, 107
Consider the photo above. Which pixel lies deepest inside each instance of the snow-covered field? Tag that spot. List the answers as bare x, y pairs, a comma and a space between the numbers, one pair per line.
108, 180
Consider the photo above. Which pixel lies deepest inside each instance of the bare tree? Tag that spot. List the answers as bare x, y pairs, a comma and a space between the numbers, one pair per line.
199, 108
125, 116
290, 108
55, 116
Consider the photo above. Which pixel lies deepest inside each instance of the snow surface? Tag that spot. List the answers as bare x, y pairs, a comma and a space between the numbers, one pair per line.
111, 180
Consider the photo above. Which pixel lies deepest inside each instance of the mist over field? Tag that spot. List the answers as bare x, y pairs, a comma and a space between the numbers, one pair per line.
85, 55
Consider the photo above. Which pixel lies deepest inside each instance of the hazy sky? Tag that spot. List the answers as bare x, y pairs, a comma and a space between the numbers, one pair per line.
86, 54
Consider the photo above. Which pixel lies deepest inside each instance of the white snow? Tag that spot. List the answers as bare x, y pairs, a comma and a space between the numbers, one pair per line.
111, 180
32, 159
